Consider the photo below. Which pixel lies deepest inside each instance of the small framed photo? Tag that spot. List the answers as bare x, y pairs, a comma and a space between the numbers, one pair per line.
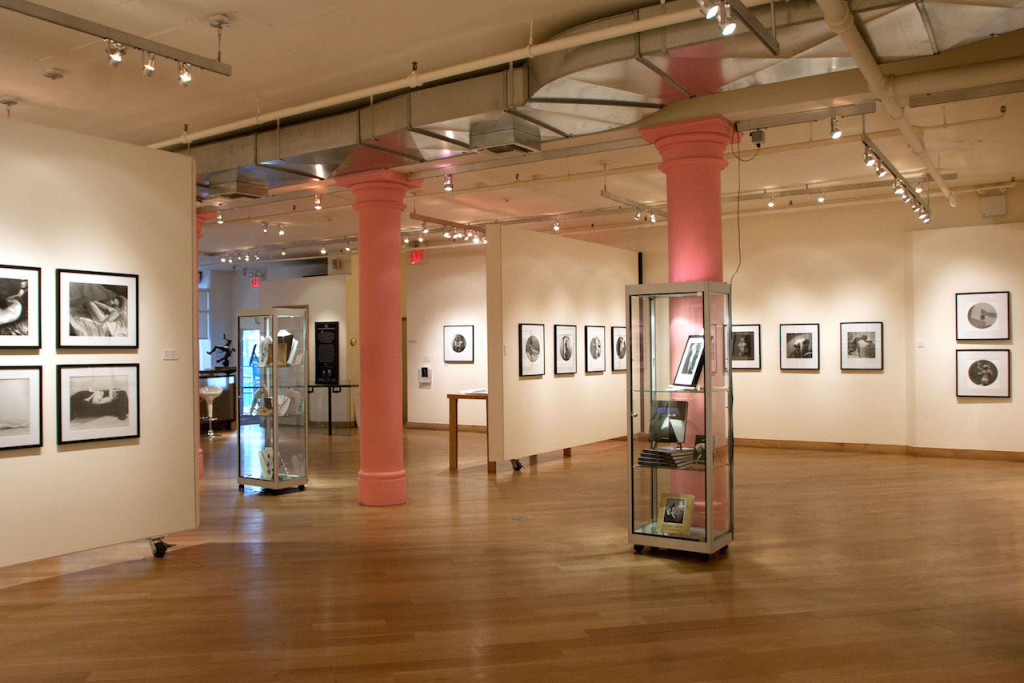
675, 514
531, 350
19, 307
798, 346
982, 315
565, 349
595, 347
983, 372
97, 402
620, 347
860, 346
21, 407
745, 347
691, 362
458, 343
97, 310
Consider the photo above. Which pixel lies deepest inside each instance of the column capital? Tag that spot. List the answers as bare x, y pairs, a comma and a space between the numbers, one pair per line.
380, 186
696, 140
202, 218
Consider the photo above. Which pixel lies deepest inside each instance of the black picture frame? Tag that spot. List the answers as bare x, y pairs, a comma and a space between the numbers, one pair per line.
98, 402
19, 307
799, 346
594, 348
619, 348
21, 407
97, 310
745, 347
861, 346
565, 350
531, 350
691, 362
458, 343
983, 373
982, 316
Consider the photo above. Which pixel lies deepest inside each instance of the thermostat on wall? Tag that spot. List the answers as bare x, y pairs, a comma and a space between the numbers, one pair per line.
424, 375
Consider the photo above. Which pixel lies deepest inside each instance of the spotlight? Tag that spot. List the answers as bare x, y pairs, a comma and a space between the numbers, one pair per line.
448, 185
881, 171
771, 202
447, 234
280, 231
347, 248
223, 259
654, 219
115, 53
184, 74
557, 226
323, 250
426, 230
264, 226
247, 258
220, 218
919, 187
256, 256
637, 216
906, 198
833, 128
405, 240
420, 239
316, 202
284, 253
148, 63
897, 189
476, 239
869, 158
708, 12
821, 197
726, 23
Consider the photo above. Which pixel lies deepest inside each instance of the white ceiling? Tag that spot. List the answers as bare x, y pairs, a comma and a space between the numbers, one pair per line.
286, 54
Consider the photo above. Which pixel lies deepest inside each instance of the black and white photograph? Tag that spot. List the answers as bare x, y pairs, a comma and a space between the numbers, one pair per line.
690, 362
531, 350
97, 402
860, 346
798, 346
745, 347
458, 343
982, 315
565, 349
983, 373
594, 335
97, 310
620, 347
675, 513
21, 407
19, 307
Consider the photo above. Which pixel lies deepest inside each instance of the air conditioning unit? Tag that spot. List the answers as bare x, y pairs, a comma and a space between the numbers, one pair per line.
505, 134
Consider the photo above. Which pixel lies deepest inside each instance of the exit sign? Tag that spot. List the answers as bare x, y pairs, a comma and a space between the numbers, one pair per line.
254, 281
415, 256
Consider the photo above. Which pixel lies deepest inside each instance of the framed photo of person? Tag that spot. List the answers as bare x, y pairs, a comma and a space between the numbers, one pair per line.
675, 514
860, 346
531, 350
620, 347
97, 310
745, 347
798, 346
21, 407
983, 373
458, 343
19, 307
691, 362
565, 349
982, 315
595, 347
97, 402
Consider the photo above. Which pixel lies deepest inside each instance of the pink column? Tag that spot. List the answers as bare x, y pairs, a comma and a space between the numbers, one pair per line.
378, 201
200, 219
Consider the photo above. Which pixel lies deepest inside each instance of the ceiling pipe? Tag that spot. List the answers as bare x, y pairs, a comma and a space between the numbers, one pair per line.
840, 19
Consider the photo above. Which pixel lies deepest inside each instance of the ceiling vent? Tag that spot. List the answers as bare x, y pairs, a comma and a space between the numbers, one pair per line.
234, 184
504, 134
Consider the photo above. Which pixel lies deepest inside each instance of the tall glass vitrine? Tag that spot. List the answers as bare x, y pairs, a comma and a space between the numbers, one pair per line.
273, 423
680, 416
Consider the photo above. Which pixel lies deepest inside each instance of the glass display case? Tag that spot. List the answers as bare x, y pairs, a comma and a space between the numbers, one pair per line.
273, 420
680, 416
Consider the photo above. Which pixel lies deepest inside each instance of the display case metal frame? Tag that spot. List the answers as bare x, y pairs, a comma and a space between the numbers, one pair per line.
655, 328
285, 470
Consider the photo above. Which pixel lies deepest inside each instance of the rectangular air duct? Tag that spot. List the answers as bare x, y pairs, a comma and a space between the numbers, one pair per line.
507, 133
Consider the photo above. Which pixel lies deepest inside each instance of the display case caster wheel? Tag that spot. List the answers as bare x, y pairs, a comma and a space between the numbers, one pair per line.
516, 465
159, 547
302, 487
241, 487
638, 548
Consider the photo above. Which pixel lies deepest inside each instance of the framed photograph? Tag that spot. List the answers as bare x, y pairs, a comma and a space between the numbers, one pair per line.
19, 307
531, 350
565, 349
798, 346
745, 347
97, 310
982, 315
675, 513
983, 372
860, 346
458, 343
620, 348
691, 362
97, 402
21, 407
595, 347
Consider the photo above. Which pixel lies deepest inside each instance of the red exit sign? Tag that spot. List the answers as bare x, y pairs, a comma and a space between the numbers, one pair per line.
415, 256
254, 281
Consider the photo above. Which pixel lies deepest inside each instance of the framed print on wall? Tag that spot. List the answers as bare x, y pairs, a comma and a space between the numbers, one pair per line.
745, 348
21, 407
565, 349
691, 362
97, 402
798, 346
860, 346
595, 347
531, 350
19, 307
675, 513
97, 310
619, 348
458, 343
983, 373
982, 315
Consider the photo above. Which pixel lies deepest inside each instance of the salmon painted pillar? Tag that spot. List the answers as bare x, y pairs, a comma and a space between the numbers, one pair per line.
378, 201
200, 219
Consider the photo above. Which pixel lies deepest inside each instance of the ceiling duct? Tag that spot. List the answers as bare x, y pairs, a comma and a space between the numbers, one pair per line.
235, 184
505, 134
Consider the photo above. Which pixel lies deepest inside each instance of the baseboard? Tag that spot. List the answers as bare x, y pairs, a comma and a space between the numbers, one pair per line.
431, 425
888, 449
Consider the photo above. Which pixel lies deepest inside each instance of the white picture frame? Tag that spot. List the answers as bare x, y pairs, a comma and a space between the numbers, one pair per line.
21, 407
97, 402
594, 348
799, 346
458, 343
565, 350
982, 316
860, 346
619, 349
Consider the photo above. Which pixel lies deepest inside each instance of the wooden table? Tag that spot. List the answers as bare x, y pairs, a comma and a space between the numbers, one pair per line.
453, 431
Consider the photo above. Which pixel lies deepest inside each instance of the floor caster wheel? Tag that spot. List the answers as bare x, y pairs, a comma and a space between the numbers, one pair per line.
241, 487
159, 547
516, 465
638, 548
302, 487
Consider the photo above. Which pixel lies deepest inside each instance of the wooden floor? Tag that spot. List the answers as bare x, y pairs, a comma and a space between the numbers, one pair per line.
844, 567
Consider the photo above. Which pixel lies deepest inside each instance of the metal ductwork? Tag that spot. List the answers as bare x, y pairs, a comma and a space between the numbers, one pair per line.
504, 134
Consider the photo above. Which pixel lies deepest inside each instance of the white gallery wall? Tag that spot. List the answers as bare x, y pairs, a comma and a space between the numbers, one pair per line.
74, 202
545, 279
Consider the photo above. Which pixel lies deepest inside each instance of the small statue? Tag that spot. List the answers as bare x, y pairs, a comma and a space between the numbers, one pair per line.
226, 349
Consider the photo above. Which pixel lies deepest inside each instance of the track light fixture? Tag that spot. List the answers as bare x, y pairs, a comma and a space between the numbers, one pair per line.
184, 74
316, 202
771, 201
557, 226
833, 128
869, 158
880, 171
725, 21
426, 230
264, 225
115, 53
821, 197
652, 218
420, 239
448, 184
405, 240
910, 193
709, 10
638, 215
148, 63
323, 250
348, 248
220, 218
284, 252
280, 231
